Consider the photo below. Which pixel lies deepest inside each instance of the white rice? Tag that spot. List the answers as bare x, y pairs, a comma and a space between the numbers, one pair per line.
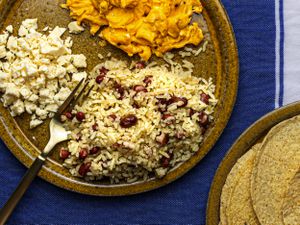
186, 52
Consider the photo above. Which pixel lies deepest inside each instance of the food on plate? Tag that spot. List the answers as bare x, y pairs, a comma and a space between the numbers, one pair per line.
138, 121
291, 205
236, 206
142, 27
276, 164
74, 28
37, 71
263, 186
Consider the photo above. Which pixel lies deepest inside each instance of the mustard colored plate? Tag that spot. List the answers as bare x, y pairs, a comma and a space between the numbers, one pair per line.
220, 61
254, 134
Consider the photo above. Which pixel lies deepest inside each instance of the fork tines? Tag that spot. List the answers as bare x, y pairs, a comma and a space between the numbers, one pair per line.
72, 100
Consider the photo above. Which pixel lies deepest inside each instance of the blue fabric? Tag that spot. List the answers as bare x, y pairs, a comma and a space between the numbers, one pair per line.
184, 201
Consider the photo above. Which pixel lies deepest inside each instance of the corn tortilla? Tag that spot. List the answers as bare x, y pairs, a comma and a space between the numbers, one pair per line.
291, 205
275, 166
236, 207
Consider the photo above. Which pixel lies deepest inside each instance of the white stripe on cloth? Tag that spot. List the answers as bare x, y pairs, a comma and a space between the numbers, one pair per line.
277, 54
291, 51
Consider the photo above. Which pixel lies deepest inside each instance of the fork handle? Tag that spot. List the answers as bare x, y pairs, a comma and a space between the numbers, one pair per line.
27, 179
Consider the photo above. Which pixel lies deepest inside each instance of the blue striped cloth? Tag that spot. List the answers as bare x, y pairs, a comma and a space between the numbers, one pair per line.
267, 34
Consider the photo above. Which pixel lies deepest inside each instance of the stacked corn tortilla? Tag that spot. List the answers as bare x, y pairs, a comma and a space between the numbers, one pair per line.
263, 187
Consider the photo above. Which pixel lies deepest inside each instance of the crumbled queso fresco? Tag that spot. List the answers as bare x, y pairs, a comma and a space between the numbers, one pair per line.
37, 71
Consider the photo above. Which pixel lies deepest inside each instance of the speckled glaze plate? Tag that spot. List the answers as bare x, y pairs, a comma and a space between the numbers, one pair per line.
254, 134
220, 61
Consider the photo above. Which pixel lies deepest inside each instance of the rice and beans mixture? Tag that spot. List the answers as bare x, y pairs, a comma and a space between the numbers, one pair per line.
138, 121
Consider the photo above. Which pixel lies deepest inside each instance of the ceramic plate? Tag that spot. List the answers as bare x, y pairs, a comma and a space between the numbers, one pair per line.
220, 61
254, 134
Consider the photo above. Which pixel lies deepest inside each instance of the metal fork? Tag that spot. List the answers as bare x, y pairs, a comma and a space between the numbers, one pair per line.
57, 135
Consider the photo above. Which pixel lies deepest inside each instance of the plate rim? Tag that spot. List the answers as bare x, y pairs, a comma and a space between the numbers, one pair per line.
255, 132
53, 177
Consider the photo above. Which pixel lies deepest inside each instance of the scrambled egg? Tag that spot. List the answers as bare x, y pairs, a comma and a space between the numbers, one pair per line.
143, 27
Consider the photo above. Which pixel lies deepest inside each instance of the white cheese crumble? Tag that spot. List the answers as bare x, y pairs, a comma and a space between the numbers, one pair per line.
45, 29
9, 29
79, 61
77, 77
36, 70
74, 28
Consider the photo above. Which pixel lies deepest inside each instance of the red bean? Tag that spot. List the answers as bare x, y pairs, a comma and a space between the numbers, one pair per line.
135, 105
203, 118
182, 101
128, 121
113, 117
204, 98
94, 150
84, 169
80, 116
165, 162
168, 118
140, 65
162, 139
99, 79
120, 90
83, 153
116, 145
172, 100
95, 127
162, 101
139, 88
69, 115
103, 71
148, 80
191, 112
63, 153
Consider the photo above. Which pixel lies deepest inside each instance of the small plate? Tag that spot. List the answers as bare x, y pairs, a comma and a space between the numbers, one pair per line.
254, 134
220, 62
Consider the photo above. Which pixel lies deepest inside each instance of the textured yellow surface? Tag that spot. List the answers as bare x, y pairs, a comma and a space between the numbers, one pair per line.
276, 165
143, 27
291, 205
236, 206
